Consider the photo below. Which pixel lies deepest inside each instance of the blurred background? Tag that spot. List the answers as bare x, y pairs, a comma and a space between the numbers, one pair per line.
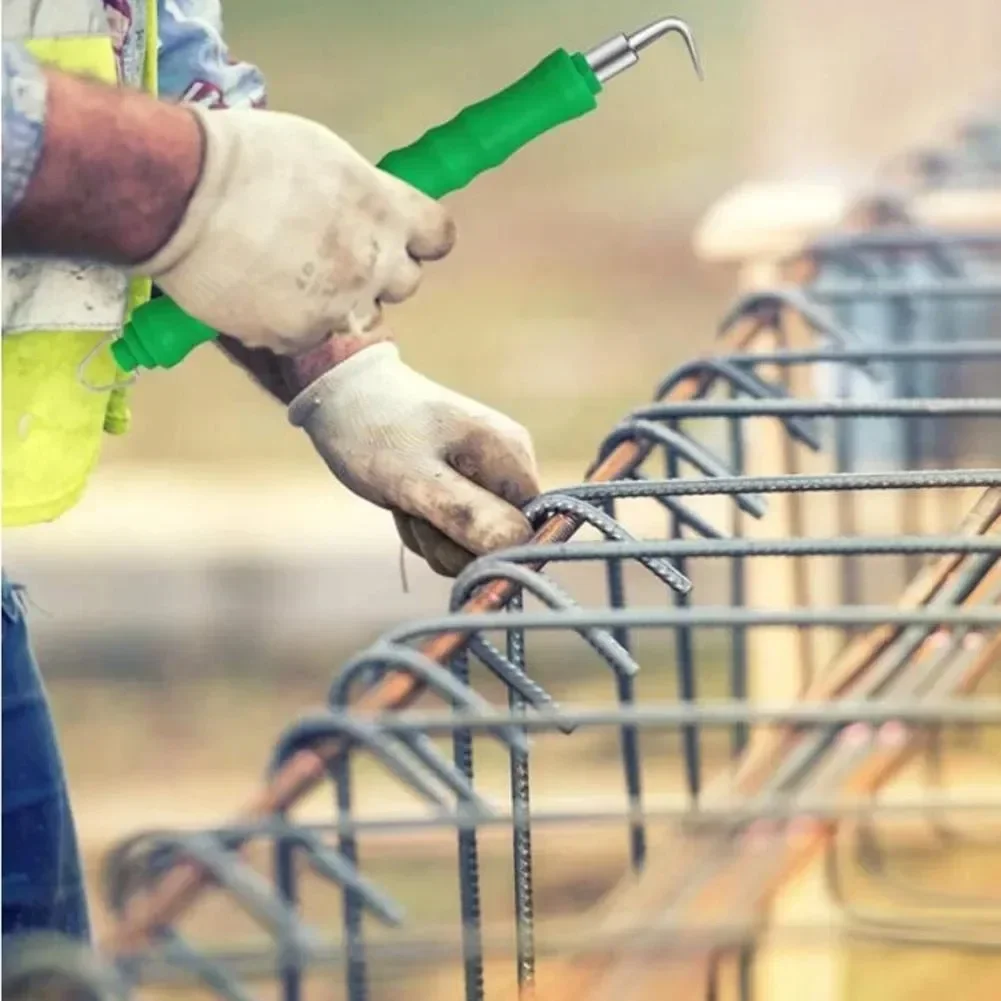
215, 575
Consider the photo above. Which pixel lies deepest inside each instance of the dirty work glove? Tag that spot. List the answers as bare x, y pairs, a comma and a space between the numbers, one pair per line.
291, 234
453, 472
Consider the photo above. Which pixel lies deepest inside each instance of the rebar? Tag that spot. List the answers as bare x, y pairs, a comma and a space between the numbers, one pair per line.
871, 359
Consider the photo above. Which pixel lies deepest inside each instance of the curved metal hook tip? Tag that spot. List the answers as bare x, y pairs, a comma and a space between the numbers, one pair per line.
643, 37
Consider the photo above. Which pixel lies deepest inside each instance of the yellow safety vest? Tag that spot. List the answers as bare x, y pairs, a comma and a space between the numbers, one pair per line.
56, 313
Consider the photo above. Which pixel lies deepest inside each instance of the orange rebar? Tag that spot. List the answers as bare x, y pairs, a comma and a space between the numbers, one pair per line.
164, 901
786, 848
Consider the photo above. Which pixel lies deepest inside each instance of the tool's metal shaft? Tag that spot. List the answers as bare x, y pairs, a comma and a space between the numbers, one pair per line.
617, 54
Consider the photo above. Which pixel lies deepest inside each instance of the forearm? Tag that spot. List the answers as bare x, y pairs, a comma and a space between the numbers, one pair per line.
114, 176
284, 377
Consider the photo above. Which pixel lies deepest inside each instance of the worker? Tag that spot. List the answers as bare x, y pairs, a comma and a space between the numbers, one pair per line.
266, 226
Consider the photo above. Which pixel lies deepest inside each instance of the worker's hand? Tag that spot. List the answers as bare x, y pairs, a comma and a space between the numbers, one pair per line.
291, 234
454, 472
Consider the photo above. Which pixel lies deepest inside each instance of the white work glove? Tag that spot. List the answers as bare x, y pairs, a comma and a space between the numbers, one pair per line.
291, 234
453, 472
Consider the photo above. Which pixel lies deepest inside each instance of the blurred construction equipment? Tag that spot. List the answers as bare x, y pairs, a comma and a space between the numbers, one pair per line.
763, 788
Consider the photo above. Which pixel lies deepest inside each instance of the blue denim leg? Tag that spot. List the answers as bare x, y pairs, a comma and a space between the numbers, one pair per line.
43, 886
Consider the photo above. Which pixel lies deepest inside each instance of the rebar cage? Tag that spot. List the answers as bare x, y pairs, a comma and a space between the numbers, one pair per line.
738, 658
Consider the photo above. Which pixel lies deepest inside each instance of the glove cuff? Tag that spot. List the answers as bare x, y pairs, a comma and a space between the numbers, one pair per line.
219, 139
336, 380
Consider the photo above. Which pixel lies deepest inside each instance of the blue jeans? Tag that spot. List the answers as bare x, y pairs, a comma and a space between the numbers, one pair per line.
43, 887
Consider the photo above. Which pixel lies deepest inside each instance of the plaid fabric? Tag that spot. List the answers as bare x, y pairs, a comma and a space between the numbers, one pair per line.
24, 93
194, 65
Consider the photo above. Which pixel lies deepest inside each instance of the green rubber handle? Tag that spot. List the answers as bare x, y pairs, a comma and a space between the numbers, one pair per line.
159, 334
484, 135
562, 87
